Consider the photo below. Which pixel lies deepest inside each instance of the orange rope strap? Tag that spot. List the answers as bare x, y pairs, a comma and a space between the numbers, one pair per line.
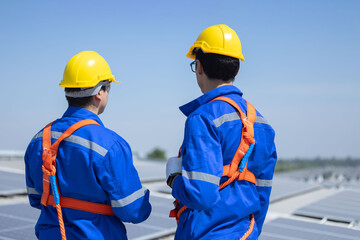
251, 227
61, 222
49, 167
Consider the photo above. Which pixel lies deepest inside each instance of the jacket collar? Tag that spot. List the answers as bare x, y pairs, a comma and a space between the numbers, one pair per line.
78, 112
190, 107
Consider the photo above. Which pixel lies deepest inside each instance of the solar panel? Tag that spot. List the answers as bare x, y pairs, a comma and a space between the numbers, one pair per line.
289, 229
150, 170
12, 183
343, 206
17, 221
158, 224
285, 187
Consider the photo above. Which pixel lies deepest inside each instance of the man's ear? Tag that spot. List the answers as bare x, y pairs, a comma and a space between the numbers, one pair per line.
199, 67
98, 96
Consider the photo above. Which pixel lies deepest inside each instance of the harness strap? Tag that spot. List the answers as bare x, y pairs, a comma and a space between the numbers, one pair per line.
247, 135
237, 169
86, 206
49, 168
245, 175
50, 152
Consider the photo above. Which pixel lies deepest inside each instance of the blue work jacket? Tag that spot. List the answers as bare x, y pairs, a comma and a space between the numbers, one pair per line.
212, 136
93, 164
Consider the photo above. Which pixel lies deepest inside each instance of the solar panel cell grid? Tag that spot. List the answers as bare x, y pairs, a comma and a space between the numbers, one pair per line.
343, 206
290, 229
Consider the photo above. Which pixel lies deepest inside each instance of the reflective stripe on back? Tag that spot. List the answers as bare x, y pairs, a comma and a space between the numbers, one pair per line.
78, 140
201, 176
235, 116
129, 199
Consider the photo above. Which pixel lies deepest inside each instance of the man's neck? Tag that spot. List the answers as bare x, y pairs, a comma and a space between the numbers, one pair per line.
215, 83
92, 109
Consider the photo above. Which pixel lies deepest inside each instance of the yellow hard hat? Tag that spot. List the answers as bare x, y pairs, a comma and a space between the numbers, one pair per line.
219, 39
86, 69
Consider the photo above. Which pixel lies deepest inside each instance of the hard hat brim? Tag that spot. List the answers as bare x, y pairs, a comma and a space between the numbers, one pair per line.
209, 50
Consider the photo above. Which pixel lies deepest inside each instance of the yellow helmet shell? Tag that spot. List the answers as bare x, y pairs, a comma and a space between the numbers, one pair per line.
86, 69
219, 39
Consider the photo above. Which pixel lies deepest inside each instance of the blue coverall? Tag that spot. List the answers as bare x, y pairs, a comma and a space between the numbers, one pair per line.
93, 164
212, 136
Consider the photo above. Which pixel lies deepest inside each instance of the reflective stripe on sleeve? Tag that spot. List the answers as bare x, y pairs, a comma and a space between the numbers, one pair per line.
235, 116
263, 183
129, 199
201, 176
261, 120
31, 190
78, 140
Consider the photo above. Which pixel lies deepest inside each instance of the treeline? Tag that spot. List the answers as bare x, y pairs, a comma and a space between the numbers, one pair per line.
283, 165
295, 164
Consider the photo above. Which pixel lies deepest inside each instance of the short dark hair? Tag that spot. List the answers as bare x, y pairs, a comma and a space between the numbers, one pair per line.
82, 101
218, 66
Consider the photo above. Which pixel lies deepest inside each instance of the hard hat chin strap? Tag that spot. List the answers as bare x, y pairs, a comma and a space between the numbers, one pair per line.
86, 92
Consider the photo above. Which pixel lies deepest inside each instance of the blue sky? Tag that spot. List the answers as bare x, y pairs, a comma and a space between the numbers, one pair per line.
301, 67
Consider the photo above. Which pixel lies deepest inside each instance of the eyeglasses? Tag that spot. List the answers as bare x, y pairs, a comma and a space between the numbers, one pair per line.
108, 88
193, 66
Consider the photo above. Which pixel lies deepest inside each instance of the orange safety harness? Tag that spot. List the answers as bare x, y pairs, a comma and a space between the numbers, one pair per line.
49, 178
237, 169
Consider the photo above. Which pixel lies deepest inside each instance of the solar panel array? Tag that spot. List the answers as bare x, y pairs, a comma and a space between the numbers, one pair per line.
12, 183
17, 221
289, 229
343, 207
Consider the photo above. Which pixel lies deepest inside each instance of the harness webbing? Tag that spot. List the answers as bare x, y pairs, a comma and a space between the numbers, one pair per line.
49, 177
237, 169
82, 205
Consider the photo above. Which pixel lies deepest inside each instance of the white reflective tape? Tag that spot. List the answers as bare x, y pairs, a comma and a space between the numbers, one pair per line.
38, 135
261, 120
263, 183
86, 92
129, 199
234, 117
226, 118
31, 190
201, 176
78, 140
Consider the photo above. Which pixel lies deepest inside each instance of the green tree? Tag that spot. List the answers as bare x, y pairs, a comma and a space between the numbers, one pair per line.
157, 153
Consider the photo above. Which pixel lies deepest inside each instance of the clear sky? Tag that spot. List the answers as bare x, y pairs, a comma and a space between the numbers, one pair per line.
301, 67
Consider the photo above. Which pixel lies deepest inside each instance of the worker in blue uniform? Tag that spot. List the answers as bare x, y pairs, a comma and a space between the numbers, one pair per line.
213, 131
95, 176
